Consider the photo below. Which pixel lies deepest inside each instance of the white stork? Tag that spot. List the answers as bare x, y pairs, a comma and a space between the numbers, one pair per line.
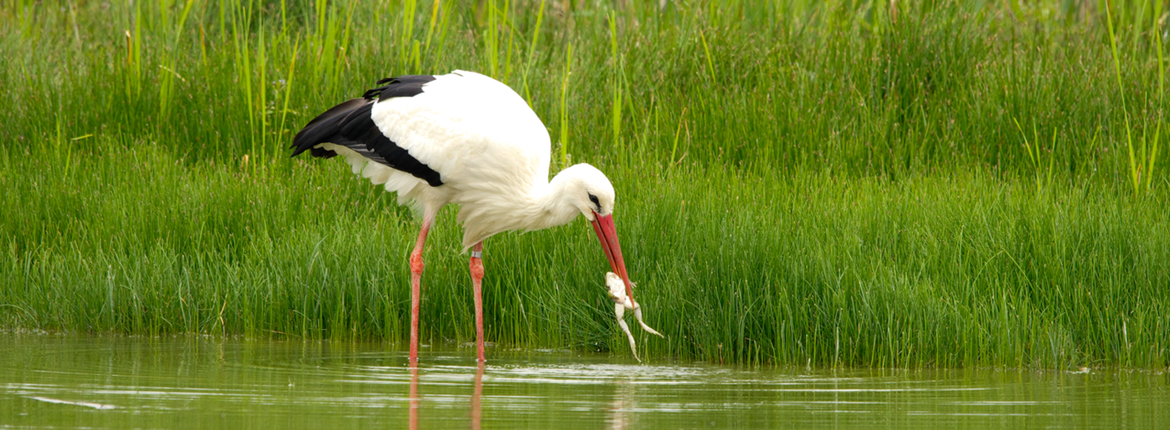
466, 139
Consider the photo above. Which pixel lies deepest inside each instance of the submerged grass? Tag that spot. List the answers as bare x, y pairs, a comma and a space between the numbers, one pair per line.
807, 183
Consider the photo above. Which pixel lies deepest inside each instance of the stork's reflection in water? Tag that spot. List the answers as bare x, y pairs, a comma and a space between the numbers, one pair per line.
476, 393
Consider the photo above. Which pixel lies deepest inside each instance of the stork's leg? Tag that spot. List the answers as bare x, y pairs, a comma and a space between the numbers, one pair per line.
476, 285
416, 270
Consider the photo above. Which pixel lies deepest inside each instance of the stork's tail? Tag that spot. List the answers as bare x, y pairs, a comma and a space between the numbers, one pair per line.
326, 128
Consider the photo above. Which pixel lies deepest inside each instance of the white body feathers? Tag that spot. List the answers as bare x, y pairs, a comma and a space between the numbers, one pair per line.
490, 148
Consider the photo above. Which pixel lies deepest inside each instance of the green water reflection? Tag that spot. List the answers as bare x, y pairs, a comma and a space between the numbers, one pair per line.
51, 381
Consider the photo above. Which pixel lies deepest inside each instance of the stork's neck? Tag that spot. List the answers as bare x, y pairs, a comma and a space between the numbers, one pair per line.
551, 203
546, 204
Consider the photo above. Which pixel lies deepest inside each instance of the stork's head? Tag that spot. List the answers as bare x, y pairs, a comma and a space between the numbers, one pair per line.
588, 190
592, 193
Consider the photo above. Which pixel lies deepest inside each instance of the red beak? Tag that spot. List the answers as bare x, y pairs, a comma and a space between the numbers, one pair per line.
603, 226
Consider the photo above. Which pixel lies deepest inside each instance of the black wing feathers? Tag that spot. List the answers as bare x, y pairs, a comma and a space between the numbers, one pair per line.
349, 124
400, 86
322, 128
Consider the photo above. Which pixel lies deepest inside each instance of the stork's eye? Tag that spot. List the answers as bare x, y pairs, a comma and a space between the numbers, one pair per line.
597, 203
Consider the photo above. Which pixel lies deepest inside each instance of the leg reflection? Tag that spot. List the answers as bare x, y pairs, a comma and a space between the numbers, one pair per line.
475, 395
413, 424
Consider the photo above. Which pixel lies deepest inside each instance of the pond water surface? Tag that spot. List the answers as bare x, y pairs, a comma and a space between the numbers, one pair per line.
72, 381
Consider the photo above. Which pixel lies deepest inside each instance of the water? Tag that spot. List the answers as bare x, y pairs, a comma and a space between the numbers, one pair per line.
49, 381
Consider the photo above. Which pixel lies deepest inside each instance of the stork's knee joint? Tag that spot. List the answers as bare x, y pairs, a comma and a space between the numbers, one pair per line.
476, 268
416, 263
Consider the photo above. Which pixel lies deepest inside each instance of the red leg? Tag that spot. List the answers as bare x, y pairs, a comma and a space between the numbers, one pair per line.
416, 270
476, 285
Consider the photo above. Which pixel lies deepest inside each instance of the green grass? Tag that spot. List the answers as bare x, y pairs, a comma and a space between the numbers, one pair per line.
840, 183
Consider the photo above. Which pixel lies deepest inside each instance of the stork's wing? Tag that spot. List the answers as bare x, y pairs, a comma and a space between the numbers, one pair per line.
461, 126
351, 125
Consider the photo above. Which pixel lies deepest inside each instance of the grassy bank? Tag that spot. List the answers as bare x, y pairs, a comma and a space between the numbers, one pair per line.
967, 184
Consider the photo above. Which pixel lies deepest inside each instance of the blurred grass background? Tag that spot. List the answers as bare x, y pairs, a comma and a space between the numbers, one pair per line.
845, 182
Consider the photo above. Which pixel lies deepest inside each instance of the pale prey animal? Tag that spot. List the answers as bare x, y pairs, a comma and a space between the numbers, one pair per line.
621, 302
466, 139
